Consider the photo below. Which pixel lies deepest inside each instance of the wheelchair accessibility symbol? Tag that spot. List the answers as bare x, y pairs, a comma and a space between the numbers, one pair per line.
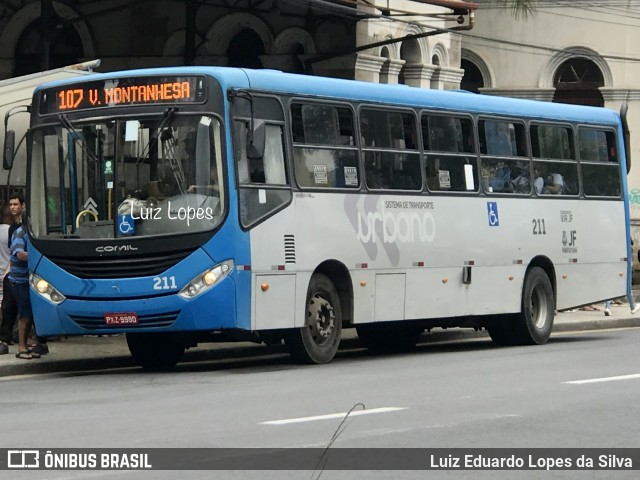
126, 225
492, 212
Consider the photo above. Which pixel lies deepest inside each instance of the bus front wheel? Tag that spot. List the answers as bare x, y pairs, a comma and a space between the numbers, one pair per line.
318, 340
156, 351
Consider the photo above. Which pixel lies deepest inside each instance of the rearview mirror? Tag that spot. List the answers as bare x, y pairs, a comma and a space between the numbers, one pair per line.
9, 149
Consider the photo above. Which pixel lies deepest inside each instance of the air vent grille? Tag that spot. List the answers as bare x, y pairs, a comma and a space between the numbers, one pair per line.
289, 249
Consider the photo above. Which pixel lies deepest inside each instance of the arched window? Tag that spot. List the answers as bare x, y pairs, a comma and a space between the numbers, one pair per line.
65, 47
577, 81
472, 79
245, 50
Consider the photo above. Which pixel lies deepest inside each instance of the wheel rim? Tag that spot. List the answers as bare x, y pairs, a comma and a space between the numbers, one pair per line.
539, 307
320, 319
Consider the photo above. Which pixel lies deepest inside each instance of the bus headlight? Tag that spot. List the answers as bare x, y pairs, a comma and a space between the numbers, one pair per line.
44, 288
206, 280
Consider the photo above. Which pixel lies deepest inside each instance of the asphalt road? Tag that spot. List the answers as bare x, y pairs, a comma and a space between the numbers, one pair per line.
464, 394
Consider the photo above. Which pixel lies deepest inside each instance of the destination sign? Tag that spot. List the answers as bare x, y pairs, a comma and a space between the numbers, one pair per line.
123, 92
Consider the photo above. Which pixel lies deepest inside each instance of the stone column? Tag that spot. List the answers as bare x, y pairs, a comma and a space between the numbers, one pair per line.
446, 78
390, 70
418, 75
368, 67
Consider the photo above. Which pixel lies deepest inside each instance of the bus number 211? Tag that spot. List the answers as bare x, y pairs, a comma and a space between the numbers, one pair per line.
164, 283
538, 226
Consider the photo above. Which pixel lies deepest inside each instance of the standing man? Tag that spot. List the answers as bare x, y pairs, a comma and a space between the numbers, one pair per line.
19, 279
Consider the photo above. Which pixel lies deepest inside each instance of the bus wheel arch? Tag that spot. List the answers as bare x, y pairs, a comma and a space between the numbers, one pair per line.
318, 340
533, 324
547, 265
339, 275
535, 320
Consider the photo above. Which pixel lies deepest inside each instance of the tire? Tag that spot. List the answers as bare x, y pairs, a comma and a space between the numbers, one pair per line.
535, 322
318, 340
156, 351
533, 325
389, 337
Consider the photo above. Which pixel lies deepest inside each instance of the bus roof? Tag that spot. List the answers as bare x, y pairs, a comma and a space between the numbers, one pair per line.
335, 88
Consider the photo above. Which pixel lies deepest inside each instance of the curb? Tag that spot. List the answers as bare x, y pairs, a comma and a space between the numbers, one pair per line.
235, 351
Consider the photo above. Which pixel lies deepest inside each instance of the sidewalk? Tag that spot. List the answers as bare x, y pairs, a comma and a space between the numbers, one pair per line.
99, 353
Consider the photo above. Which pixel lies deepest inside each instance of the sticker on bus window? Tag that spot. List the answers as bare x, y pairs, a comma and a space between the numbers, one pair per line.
468, 177
126, 225
444, 178
320, 174
351, 176
131, 128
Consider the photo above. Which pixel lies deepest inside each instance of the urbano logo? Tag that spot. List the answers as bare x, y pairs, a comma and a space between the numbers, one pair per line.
396, 225
389, 223
23, 459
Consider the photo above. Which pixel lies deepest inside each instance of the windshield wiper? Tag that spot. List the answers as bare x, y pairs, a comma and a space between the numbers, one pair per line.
66, 123
165, 121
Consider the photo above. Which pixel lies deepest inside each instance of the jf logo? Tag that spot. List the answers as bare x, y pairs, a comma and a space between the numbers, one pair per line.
569, 238
492, 213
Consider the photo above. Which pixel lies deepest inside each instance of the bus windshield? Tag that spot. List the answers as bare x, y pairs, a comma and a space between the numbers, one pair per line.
126, 177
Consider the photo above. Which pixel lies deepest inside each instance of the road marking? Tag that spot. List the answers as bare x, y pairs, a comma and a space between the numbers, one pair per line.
333, 415
605, 379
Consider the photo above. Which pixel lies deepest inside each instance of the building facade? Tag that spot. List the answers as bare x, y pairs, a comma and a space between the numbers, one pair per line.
306, 36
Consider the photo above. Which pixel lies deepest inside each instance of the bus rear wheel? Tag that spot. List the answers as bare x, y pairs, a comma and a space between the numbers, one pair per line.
318, 340
156, 351
538, 309
533, 325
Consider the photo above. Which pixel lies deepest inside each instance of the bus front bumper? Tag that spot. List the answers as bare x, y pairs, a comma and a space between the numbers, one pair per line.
214, 309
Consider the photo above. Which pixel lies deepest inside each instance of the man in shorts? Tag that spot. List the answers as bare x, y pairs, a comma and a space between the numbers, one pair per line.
19, 281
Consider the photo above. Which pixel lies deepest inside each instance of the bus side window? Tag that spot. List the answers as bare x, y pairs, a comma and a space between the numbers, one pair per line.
505, 160
553, 149
453, 169
263, 182
599, 162
391, 156
324, 150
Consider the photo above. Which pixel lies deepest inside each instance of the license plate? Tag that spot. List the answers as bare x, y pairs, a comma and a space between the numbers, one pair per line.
120, 318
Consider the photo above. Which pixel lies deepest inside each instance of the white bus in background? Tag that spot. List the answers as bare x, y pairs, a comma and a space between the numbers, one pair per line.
15, 98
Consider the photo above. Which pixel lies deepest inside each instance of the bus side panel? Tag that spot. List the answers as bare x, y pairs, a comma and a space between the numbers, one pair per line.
432, 241
440, 292
276, 306
593, 246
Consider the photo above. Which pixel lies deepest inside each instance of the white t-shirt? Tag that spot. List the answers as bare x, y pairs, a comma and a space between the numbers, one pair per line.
556, 179
539, 184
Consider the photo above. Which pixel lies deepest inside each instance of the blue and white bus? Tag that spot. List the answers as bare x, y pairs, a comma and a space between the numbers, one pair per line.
184, 205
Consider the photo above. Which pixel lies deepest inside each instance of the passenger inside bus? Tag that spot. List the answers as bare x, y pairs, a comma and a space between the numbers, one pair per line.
552, 183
